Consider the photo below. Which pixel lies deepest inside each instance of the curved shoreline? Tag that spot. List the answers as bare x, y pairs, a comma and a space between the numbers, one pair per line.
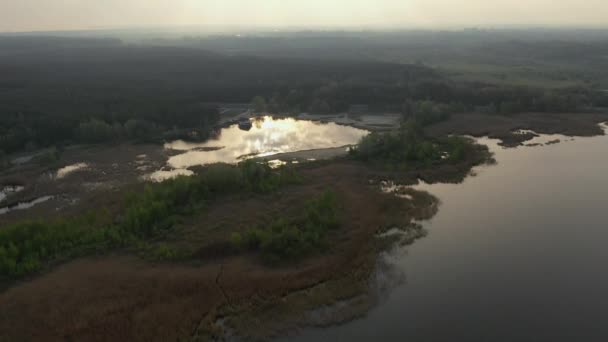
220, 292
506, 128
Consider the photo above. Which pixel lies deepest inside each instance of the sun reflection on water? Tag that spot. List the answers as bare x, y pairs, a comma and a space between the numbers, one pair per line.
268, 136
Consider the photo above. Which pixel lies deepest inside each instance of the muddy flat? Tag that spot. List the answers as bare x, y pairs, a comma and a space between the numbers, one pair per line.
505, 127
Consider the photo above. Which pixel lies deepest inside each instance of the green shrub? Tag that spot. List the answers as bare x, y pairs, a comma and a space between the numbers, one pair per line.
289, 239
408, 148
456, 147
141, 130
26, 247
95, 131
237, 241
52, 155
163, 252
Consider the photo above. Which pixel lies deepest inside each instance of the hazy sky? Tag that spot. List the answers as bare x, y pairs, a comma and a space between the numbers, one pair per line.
27, 15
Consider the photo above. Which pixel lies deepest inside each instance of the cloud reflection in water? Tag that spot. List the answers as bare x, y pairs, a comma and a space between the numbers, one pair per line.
267, 137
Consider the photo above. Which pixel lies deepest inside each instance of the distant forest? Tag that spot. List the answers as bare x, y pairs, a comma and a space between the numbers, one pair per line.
63, 90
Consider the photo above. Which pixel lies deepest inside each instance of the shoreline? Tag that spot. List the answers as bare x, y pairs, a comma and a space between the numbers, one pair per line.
505, 128
214, 291
218, 292
339, 274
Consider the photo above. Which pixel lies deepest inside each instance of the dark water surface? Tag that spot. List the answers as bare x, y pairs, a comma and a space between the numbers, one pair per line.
517, 253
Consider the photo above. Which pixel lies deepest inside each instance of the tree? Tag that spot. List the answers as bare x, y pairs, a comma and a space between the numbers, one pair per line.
94, 131
259, 104
140, 129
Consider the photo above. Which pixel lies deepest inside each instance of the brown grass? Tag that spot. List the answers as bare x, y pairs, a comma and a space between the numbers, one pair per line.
123, 298
502, 126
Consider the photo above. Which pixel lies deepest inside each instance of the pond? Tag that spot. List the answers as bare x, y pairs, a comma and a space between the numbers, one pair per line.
515, 253
266, 137
67, 170
25, 205
8, 190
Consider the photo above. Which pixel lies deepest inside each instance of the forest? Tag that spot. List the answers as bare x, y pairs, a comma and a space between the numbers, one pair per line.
57, 91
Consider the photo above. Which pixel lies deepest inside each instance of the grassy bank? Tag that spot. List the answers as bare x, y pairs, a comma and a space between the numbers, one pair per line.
27, 247
292, 238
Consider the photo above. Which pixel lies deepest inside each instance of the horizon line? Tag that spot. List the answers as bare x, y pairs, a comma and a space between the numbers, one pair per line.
314, 28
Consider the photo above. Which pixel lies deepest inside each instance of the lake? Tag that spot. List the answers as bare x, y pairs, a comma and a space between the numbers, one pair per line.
268, 136
515, 253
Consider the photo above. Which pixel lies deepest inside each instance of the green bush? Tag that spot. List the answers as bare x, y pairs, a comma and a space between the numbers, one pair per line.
456, 148
94, 131
289, 239
427, 112
26, 247
141, 130
163, 252
407, 145
408, 148
52, 155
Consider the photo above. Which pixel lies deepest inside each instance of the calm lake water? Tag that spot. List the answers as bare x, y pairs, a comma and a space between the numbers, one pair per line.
517, 253
267, 136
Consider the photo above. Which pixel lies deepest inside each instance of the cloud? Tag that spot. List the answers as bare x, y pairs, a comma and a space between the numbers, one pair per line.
18, 15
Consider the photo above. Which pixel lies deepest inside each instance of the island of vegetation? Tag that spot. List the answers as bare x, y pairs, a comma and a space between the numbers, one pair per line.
313, 225
242, 250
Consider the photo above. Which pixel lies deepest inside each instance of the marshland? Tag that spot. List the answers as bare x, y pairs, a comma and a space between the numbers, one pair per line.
392, 185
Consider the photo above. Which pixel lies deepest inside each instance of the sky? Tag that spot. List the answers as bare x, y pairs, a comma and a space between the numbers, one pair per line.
44, 15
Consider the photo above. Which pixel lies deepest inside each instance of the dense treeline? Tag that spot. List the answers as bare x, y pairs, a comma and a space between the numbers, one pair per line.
84, 90
494, 99
496, 59
59, 90
507, 45
27, 247
454, 97
552, 55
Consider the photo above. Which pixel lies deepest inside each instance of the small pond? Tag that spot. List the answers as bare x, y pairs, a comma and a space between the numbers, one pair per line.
67, 170
267, 136
9, 190
25, 205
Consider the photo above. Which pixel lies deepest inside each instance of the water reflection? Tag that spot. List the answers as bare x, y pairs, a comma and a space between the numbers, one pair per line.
547, 139
25, 205
162, 175
65, 171
268, 136
400, 191
275, 163
515, 254
9, 190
